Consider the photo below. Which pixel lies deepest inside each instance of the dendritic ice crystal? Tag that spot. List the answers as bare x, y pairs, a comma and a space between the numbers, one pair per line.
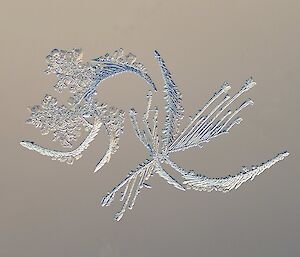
85, 113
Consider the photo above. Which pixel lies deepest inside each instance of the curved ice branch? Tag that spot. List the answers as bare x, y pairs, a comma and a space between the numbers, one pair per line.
113, 146
117, 63
68, 156
224, 184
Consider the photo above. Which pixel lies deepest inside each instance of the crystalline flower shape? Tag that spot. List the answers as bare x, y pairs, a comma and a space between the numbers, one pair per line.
82, 79
204, 126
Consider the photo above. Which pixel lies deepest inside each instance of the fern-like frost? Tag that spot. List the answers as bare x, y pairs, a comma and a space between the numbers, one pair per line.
84, 112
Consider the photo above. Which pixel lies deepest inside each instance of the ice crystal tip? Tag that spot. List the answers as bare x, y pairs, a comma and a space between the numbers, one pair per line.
26, 144
249, 101
54, 52
225, 87
156, 53
105, 200
284, 154
249, 83
147, 186
118, 216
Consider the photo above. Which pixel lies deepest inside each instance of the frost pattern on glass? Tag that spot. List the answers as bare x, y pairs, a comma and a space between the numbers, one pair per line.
83, 112
204, 126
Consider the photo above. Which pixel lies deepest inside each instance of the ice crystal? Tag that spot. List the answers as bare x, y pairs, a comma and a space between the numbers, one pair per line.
84, 112
204, 126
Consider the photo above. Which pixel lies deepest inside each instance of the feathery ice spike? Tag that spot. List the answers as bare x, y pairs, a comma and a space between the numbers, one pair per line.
174, 108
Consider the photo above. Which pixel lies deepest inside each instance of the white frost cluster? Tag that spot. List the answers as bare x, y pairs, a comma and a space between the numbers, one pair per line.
82, 111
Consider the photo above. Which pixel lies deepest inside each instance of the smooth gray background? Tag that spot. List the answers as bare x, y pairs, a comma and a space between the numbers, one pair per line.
51, 209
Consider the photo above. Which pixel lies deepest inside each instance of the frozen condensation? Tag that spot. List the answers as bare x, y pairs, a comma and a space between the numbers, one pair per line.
84, 112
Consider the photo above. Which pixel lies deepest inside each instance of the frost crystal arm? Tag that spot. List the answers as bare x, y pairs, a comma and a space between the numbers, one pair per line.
140, 134
204, 127
117, 63
68, 156
132, 188
82, 79
114, 123
174, 108
224, 184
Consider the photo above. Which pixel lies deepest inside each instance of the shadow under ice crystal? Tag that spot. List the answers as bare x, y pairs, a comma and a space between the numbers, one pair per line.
84, 112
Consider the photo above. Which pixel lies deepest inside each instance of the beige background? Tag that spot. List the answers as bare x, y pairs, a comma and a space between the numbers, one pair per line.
50, 209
